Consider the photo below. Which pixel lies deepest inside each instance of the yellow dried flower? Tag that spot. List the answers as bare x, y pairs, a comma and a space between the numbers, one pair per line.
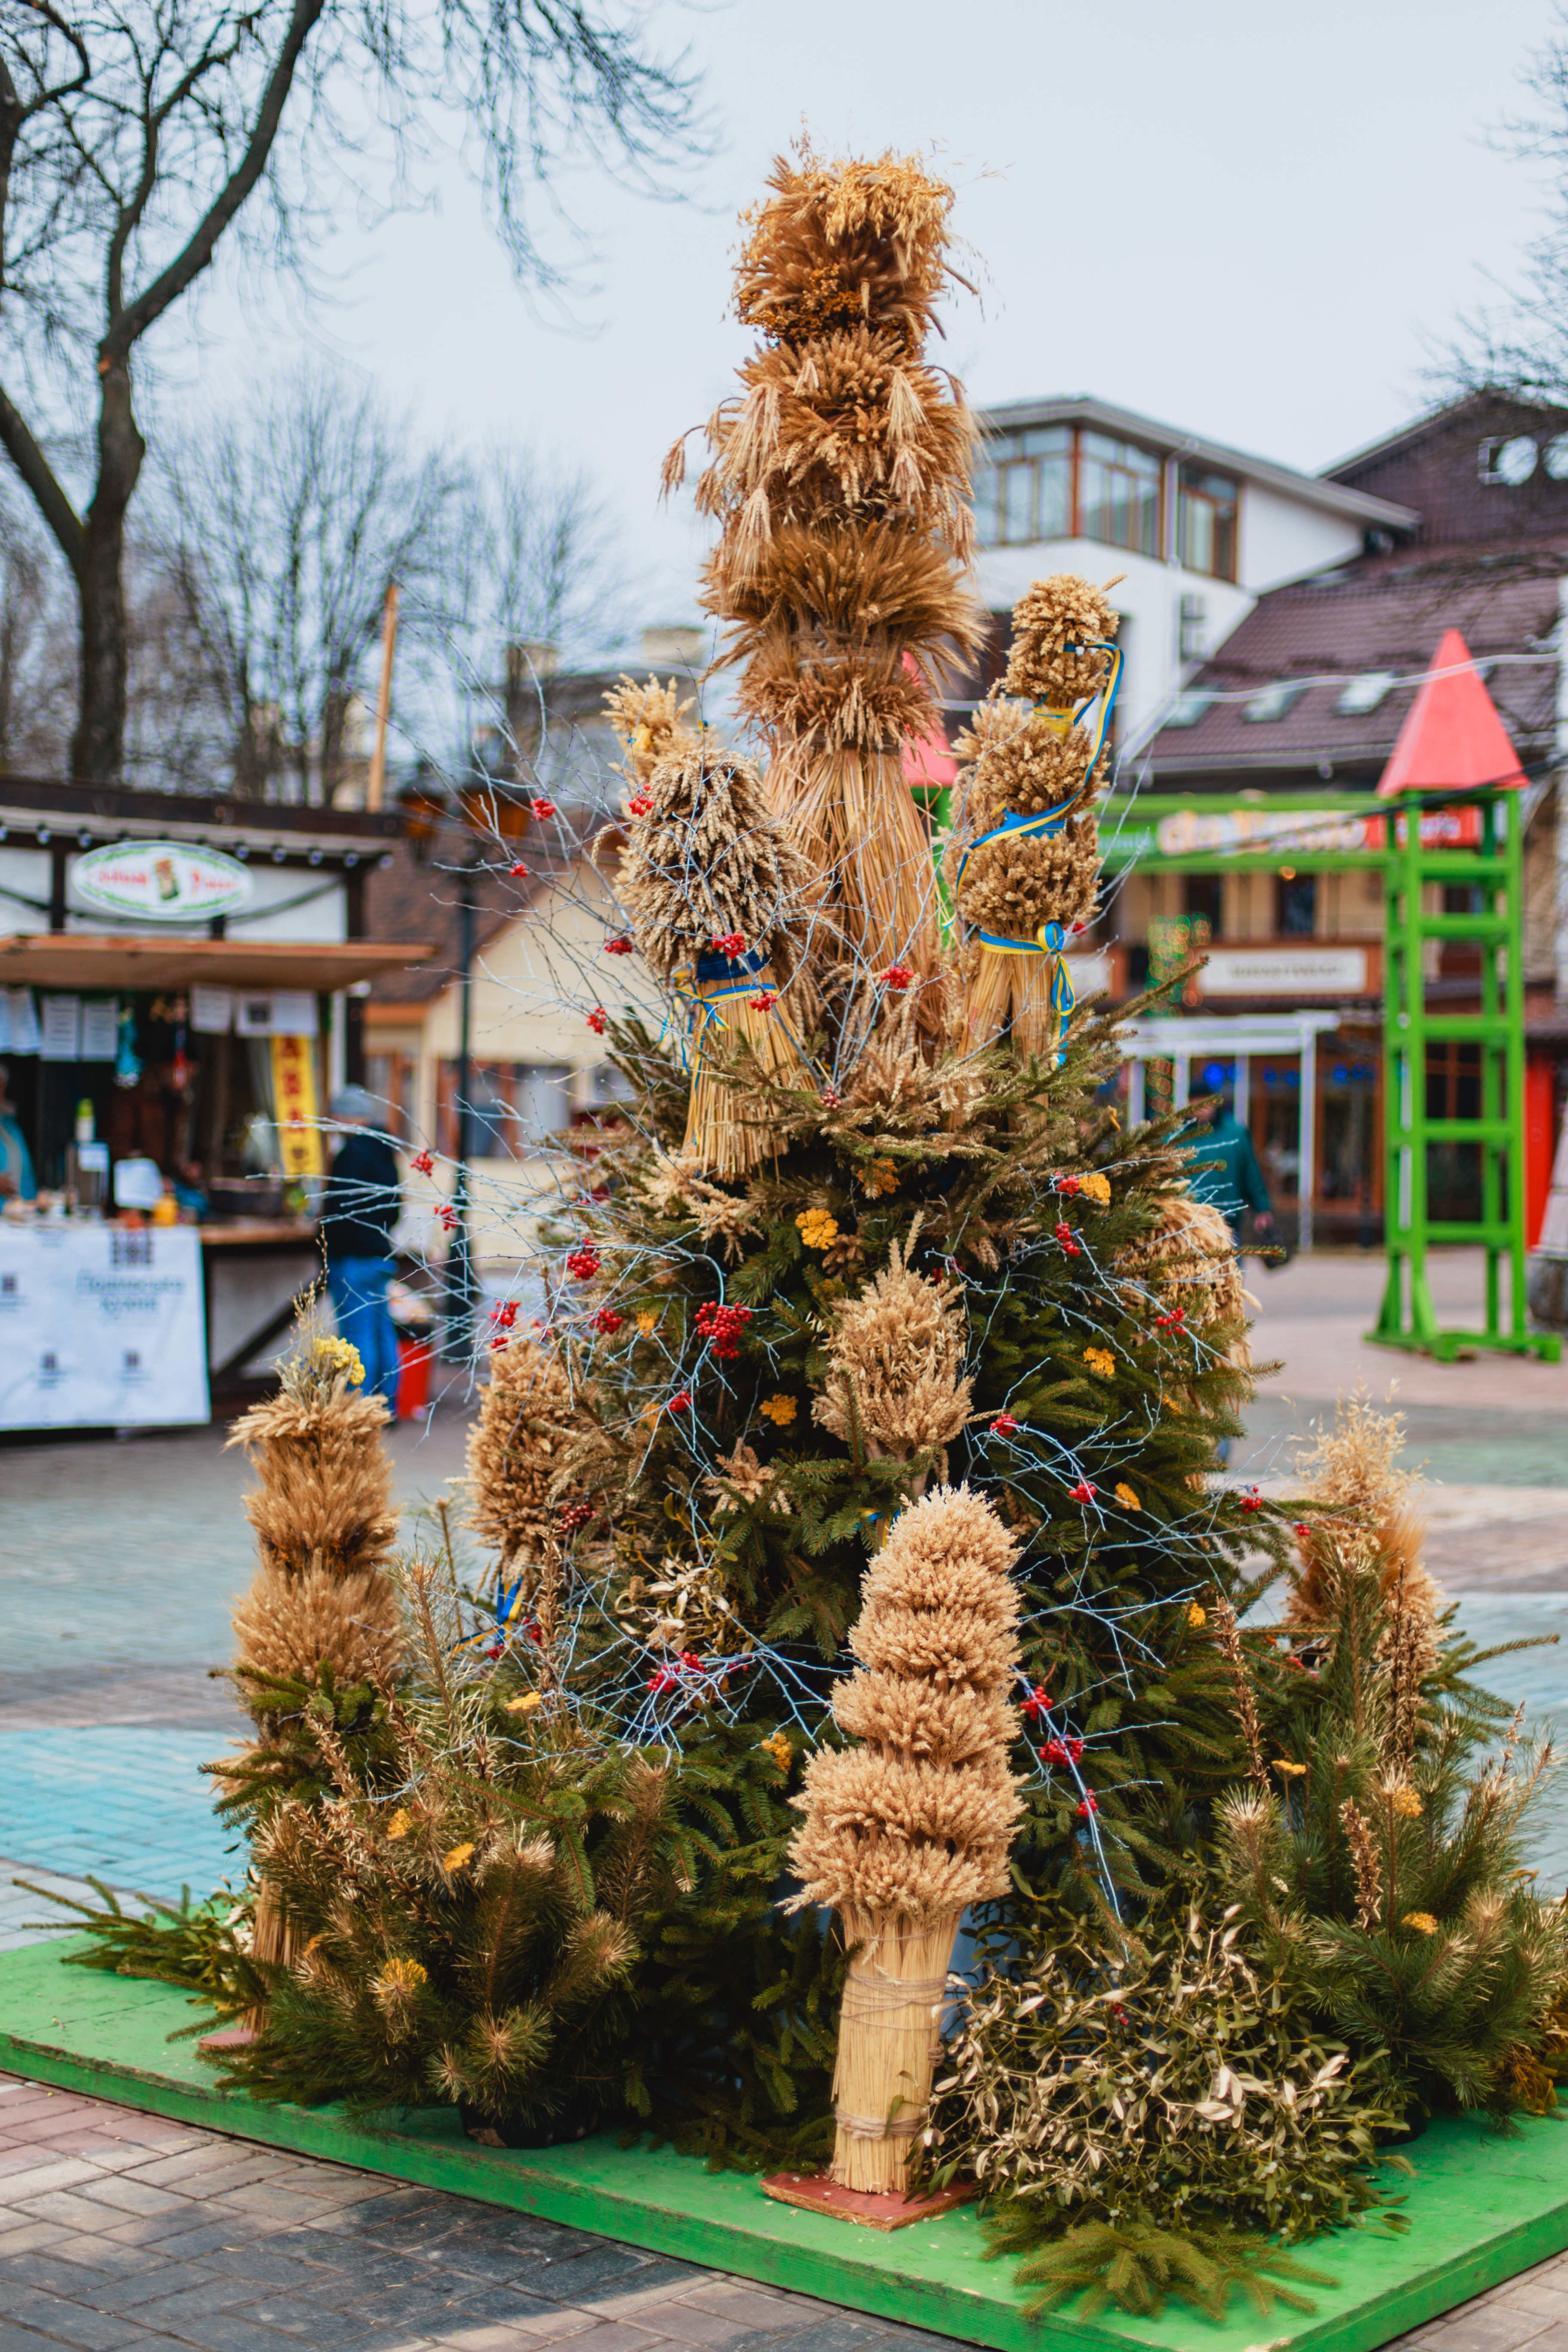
1095, 1187
1286, 1770
400, 1824
881, 1176
1407, 1804
779, 1749
1422, 1921
781, 1408
408, 1973
525, 1704
817, 1229
341, 1357
1125, 1496
648, 1321
457, 1857
1197, 1616
1100, 1361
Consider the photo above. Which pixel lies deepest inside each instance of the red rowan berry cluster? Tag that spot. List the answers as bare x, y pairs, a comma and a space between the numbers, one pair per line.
596, 1020
897, 978
1069, 1245
722, 1326
730, 943
584, 1263
422, 1164
608, 1321
620, 946
1062, 1751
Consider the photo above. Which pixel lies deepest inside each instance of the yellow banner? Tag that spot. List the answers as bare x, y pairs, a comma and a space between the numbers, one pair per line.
294, 1092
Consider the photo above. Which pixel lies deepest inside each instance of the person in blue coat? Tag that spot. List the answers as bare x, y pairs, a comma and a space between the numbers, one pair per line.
16, 1178
358, 1213
1237, 1183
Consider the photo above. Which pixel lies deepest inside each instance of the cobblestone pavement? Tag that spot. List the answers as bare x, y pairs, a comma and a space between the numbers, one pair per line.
122, 2232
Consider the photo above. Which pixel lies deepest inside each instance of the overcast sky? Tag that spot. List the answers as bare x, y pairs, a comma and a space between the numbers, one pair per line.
1249, 220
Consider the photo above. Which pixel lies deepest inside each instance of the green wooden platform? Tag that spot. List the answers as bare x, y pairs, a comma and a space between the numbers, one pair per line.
1481, 2209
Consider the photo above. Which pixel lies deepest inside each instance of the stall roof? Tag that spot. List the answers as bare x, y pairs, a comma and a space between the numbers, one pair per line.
78, 959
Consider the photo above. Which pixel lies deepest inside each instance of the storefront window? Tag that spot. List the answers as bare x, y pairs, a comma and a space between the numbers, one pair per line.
1295, 905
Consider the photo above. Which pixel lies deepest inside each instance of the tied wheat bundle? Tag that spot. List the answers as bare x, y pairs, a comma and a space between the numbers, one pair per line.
903, 1832
325, 1527
1028, 871
895, 1366
840, 478
1372, 1526
717, 896
530, 1419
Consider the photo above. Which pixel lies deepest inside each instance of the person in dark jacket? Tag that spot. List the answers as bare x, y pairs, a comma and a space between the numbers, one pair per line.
1237, 1183
359, 1210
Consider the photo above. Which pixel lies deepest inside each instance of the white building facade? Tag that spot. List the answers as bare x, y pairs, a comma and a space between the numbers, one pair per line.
1197, 530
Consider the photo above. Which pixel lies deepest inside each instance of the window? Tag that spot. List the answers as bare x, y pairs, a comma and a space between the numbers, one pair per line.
1118, 494
1206, 508
512, 1106
1364, 693
1511, 462
1273, 701
393, 1079
1023, 487
1294, 905
1047, 482
542, 1092
1189, 707
1203, 897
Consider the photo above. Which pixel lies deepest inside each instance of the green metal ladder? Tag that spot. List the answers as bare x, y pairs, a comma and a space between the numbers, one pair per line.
1494, 870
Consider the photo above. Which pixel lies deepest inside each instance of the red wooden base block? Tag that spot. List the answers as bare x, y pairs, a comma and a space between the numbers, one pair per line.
227, 2037
872, 2210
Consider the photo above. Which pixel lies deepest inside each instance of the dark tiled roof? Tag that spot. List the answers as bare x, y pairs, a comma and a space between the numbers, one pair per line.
407, 901
1384, 614
1435, 465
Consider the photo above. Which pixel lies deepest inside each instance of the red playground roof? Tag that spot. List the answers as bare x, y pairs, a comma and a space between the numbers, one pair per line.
1452, 735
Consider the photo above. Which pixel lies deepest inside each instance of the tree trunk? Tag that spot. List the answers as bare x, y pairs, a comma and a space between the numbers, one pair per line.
98, 746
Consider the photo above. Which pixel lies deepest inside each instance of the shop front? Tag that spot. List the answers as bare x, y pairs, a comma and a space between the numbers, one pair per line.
181, 987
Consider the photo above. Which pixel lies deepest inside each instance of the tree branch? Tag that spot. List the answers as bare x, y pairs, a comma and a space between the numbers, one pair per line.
166, 289
38, 475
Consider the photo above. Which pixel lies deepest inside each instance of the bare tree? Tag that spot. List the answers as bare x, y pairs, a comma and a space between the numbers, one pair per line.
540, 572
37, 643
1517, 346
137, 135
284, 523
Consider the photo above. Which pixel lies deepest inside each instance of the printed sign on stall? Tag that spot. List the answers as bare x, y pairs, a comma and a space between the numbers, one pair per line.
294, 1091
161, 881
100, 1328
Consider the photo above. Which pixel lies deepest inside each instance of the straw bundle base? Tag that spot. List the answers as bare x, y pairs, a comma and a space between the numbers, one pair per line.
722, 1125
880, 851
274, 1939
1013, 991
817, 2194
889, 2037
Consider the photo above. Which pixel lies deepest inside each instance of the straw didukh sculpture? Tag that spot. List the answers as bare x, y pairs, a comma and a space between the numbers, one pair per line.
840, 476
716, 892
904, 1830
1027, 869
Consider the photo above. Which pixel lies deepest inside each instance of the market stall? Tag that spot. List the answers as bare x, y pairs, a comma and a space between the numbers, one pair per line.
173, 1016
